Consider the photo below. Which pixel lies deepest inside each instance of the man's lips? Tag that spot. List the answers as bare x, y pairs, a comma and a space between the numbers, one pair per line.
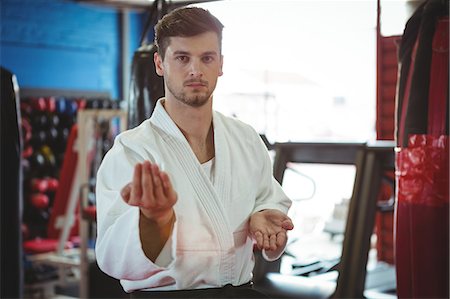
195, 83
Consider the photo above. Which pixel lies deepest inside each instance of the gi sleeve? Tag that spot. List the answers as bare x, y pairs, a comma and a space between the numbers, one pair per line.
270, 194
118, 247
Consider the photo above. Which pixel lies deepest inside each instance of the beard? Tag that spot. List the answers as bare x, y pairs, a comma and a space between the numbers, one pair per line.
196, 99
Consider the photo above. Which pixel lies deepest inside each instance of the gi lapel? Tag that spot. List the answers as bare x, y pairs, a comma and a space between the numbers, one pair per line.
203, 187
222, 181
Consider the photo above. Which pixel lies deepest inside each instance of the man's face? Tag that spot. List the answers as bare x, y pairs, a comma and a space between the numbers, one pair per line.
191, 67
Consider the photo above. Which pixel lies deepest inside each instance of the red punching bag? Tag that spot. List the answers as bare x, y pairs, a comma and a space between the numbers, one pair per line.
422, 156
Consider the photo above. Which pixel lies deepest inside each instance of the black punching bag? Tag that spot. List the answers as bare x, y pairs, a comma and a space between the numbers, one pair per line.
146, 86
11, 189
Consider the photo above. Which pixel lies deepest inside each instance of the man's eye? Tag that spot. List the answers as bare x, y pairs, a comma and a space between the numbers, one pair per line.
207, 59
182, 58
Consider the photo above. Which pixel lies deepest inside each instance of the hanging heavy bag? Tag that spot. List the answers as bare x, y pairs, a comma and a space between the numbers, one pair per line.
11, 199
146, 87
422, 156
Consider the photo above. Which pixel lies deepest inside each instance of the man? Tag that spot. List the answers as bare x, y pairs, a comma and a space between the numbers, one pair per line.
182, 198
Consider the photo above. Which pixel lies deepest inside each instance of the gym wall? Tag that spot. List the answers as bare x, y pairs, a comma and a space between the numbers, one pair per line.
60, 44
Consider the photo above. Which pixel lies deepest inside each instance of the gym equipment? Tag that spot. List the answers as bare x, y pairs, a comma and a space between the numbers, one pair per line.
146, 86
39, 200
66, 180
49, 161
25, 108
88, 124
61, 105
370, 160
26, 130
73, 180
39, 185
52, 136
39, 120
38, 245
50, 104
54, 120
52, 184
39, 104
81, 103
422, 156
11, 199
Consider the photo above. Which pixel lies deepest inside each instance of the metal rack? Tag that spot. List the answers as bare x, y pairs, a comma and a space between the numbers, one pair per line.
370, 160
73, 264
85, 121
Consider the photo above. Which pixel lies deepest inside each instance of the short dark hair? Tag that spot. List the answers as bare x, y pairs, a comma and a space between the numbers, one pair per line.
185, 22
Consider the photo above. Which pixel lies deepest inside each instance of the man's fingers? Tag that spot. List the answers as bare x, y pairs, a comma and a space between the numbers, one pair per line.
125, 192
136, 187
147, 199
259, 239
281, 238
287, 224
266, 242
157, 184
273, 242
148, 189
168, 190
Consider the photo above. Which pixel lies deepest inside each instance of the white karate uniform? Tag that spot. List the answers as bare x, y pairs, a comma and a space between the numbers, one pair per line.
210, 244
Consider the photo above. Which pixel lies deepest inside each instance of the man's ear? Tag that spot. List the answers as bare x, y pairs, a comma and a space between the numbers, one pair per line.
221, 66
158, 64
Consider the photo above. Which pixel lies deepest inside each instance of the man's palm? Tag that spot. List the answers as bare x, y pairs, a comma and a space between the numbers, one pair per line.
268, 228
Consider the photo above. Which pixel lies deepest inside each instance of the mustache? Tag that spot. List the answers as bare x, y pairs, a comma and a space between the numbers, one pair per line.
195, 81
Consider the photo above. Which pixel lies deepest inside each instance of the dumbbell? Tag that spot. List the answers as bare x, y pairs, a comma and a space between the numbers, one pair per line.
106, 104
98, 104
39, 138
39, 185
39, 120
43, 162
81, 103
61, 139
50, 104
61, 105
93, 104
25, 108
39, 104
53, 184
52, 136
27, 151
39, 201
37, 160
115, 105
44, 184
26, 130
53, 120
50, 167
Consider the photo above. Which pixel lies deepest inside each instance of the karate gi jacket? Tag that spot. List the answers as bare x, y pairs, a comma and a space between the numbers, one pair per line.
210, 245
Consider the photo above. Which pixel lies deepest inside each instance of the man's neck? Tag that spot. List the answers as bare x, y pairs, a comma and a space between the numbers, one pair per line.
196, 125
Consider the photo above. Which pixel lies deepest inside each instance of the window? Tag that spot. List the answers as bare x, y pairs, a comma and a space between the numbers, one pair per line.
299, 70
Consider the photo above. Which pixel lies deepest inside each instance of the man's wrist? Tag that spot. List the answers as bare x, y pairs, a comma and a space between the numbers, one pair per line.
159, 220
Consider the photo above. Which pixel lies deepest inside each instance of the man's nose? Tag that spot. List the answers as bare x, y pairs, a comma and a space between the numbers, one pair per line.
195, 69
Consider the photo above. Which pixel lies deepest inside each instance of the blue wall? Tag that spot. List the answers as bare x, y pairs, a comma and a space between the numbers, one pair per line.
58, 44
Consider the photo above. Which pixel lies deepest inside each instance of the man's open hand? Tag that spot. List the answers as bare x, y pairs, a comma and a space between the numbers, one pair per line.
269, 229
